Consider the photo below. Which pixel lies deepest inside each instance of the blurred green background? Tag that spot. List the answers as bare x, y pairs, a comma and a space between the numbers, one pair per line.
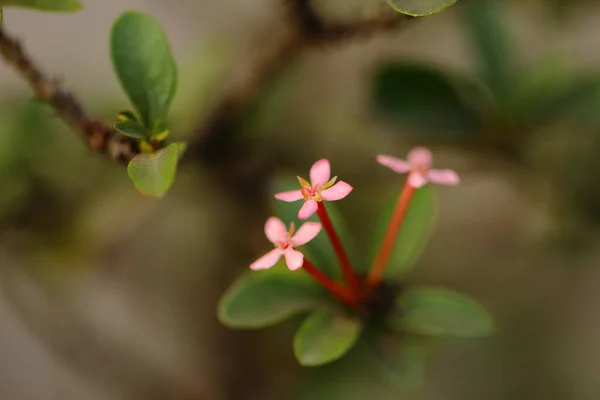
106, 294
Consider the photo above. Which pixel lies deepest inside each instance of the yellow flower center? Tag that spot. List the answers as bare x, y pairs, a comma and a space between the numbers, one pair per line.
314, 192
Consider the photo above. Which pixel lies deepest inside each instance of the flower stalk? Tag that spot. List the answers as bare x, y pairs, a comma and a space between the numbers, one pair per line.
336, 289
323, 188
387, 245
345, 264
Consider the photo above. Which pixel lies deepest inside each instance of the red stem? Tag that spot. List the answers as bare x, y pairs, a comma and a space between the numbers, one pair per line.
336, 289
389, 239
349, 274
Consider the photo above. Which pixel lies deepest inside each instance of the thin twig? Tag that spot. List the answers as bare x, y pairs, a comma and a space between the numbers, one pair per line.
212, 140
215, 138
99, 136
317, 31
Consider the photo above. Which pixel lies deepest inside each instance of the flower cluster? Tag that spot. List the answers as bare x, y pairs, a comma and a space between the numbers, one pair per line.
324, 188
376, 304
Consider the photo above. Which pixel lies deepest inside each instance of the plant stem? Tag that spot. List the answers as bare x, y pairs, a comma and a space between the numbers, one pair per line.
100, 137
349, 274
381, 261
336, 289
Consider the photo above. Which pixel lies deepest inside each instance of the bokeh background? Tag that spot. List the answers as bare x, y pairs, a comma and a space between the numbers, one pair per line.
106, 294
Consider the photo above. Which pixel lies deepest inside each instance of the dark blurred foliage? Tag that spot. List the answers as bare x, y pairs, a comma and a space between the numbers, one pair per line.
507, 109
122, 290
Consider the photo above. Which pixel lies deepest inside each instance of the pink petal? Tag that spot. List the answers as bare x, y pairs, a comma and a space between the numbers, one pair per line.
308, 208
443, 177
292, 195
293, 258
275, 230
416, 179
320, 172
337, 191
268, 260
306, 233
395, 164
420, 157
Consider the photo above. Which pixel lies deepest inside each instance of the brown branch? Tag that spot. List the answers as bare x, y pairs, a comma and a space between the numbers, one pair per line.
216, 141
317, 31
99, 136
212, 140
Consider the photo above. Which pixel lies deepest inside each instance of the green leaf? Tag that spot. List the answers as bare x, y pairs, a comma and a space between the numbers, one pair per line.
325, 336
424, 98
144, 65
263, 298
181, 148
552, 90
132, 129
372, 369
442, 312
420, 8
45, 5
153, 173
484, 21
126, 115
413, 235
319, 250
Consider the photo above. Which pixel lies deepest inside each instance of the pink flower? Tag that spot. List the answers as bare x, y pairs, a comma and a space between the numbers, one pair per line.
284, 242
320, 188
419, 168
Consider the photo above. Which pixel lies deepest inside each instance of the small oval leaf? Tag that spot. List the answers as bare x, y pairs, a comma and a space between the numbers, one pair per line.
420, 8
45, 5
264, 298
442, 312
414, 233
131, 128
142, 59
325, 336
154, 173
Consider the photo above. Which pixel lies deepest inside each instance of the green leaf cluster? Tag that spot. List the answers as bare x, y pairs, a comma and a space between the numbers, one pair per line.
330, 330
502, 104
142, 59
